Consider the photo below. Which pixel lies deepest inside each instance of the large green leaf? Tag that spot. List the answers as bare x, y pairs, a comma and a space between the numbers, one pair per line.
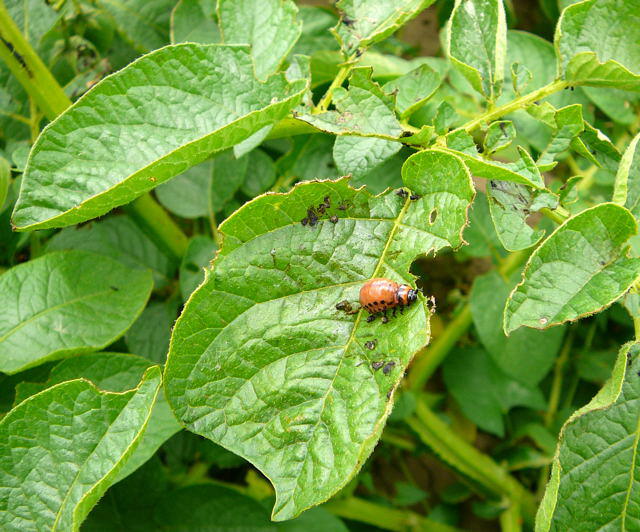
149, 335
145, 23
66, 302
468, 371
523, 171
477, 43
593, 483
510, 205
263, 363
627, 186
580, 269
596, 43
269, 26
527, 354
113, 372
62, 448
160, 115
120, 238
413, 89
194, 21
365, 22
363, 110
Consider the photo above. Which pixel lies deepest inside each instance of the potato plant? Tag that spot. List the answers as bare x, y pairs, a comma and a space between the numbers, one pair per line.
193, 194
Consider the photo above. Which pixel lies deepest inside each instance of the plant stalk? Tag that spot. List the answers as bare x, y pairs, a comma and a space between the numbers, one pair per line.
469, 461
383, 517
44, 90
344, 71
28, 68
514, 105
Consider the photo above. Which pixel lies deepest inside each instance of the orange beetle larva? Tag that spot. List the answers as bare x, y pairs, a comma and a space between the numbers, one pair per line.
379, 295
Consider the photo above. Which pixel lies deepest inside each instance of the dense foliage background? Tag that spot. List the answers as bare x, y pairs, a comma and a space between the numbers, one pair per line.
483, 151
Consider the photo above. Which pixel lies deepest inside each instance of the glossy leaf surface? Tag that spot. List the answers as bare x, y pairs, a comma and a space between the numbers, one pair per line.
65, 303
593, 483
270, 27
160, 115
580, 269
75, 424
263, 363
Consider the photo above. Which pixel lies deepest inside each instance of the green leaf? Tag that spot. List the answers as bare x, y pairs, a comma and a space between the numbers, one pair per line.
578, 270
315, 36
523, 171
261, 361
114, 372
119, 238
477, 44
91, 432
605, 152
527, 354
66, 302
596, 43
617, 104
365, 22
144, 23
34, 18
500, 135
191, 508
141, 133
129, 505
626, 191
199, 254
510, 205
364, 110
480, 234
310, 158
150, 333
467, 373
187, 195
568, 125
358, 156
413, 89
592, 485
194, 21
270, 27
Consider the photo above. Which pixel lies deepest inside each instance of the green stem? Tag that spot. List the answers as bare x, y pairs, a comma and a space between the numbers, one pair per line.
382, 516
29, 69
163, 229
558, 215
488, 476
429, 358
510, 519
558, 376
514, 105
45, 91
344, 71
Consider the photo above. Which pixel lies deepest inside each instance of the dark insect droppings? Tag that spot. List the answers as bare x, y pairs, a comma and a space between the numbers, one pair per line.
371, 344
334, 219
377, 365
388, 367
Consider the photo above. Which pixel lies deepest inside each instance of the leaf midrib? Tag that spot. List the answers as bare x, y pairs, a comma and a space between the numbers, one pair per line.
49, 309
353, 332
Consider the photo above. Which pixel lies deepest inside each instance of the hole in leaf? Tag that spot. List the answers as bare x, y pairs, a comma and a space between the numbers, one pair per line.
432, 216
